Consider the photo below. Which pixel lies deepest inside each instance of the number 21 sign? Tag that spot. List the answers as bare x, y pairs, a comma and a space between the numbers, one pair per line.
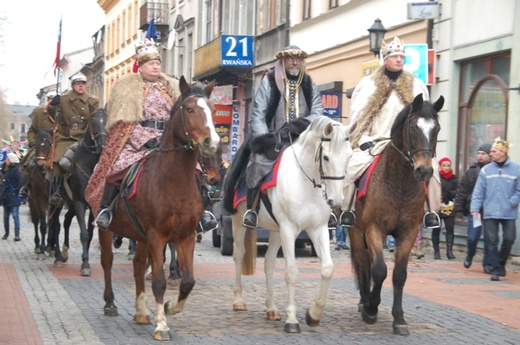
237, 51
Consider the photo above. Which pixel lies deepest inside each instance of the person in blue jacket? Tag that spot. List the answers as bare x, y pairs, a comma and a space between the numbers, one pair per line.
498, 192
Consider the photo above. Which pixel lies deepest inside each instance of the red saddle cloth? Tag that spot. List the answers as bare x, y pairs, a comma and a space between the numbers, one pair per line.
365, 178
268, 182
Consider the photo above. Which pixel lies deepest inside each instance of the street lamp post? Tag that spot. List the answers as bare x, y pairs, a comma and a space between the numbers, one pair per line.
376, 33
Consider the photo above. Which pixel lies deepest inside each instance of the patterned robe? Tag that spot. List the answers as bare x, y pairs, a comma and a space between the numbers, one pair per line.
132, 101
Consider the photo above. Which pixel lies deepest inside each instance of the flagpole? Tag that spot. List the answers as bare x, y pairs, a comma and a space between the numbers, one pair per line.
58, 87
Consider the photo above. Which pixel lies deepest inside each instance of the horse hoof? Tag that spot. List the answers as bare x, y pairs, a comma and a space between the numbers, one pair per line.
310, 321
292, 328
401, 329
273, 315
58, 264
40, 256
65, 254
110, 311
85, 272
360, 307
162, 335
239, 306
142, 319
368, 318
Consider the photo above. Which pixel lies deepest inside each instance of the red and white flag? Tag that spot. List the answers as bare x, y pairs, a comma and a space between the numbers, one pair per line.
56, 64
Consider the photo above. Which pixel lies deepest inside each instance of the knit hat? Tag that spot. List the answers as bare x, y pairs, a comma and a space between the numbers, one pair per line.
396, 47
501, 145
444, 159
485, 147
13, 158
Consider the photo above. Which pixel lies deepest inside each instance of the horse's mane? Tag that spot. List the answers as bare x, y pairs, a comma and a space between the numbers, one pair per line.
427, 111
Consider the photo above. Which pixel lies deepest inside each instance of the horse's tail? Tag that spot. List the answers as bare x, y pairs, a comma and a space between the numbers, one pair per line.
249, 259
235, 175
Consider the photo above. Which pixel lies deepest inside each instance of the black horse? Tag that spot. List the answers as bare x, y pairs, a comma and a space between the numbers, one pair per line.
83, 163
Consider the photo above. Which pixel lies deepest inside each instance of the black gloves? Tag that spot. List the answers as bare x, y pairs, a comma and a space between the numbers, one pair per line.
264, 144
150, 144
55, 100
32, 143
296, 127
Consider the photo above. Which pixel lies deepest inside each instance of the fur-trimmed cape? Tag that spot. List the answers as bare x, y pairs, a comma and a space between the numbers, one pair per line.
126, 98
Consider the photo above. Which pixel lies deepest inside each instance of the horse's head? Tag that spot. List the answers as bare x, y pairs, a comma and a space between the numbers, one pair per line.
195, 117
42, 146
96, 134
332, 153
419, 126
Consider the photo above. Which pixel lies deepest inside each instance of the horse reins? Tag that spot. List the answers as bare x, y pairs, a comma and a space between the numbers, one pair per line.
318, 156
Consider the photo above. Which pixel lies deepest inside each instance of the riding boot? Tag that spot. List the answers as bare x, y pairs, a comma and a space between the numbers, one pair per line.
250, 219
431, 220
55, 199
449, 246
435, 242
104, 217
17, 235
347, 218
6, 235
207, 222
24, 191
333, 221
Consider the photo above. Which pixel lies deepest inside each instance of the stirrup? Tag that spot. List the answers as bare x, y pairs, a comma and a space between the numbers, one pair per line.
212, 222
333, 221
97, 221
347, 218
431, 220
24, 192
250, 223
56, 200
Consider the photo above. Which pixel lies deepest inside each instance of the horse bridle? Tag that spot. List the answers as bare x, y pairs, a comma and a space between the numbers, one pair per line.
190, 145
95, 148
318, 156
410, 153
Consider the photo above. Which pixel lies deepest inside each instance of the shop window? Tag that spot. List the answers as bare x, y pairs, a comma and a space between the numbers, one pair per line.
483, 105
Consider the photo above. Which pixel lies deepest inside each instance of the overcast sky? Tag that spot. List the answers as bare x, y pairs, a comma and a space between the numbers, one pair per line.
28, 37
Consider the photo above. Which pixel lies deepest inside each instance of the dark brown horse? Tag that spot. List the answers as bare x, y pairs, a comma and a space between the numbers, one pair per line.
83, 162
39, 191
394, 205
167, 207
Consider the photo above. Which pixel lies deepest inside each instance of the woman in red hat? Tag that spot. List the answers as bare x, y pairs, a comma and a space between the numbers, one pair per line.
449, 185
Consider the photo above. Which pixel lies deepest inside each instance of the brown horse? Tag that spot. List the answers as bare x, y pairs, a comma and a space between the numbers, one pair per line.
394, 205
166, 208
39, 191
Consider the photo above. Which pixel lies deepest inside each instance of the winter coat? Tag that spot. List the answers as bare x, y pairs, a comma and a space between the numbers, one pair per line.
498, 191
465, 189
448, 193
11, 186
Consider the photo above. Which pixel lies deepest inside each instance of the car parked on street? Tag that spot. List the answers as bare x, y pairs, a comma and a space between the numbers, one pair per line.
223, 236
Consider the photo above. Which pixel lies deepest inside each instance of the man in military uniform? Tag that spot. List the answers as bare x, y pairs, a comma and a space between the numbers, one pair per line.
43, 118
72, 115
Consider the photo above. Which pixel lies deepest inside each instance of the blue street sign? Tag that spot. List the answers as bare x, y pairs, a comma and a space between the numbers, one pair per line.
416, 60
237, 51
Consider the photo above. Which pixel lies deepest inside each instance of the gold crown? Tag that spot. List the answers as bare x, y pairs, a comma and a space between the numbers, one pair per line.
291, 51
146, 51
502, 145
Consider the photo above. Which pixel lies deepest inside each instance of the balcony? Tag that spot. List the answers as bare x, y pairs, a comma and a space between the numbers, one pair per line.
157, 10
207, 59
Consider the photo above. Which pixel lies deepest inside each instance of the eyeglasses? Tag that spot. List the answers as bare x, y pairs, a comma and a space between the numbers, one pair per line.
294, 60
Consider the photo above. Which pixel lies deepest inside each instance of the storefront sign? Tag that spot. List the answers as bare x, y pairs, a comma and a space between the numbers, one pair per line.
331, 101
223, 114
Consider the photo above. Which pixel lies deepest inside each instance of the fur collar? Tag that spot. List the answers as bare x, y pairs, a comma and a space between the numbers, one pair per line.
403, 88
126, 98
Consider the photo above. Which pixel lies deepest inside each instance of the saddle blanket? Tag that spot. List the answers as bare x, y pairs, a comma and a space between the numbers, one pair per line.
363, 181
268, 182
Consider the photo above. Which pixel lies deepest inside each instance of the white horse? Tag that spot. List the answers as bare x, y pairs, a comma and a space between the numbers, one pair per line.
309, 184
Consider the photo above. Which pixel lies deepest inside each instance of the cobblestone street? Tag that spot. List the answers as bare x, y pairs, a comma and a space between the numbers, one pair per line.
443, 302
